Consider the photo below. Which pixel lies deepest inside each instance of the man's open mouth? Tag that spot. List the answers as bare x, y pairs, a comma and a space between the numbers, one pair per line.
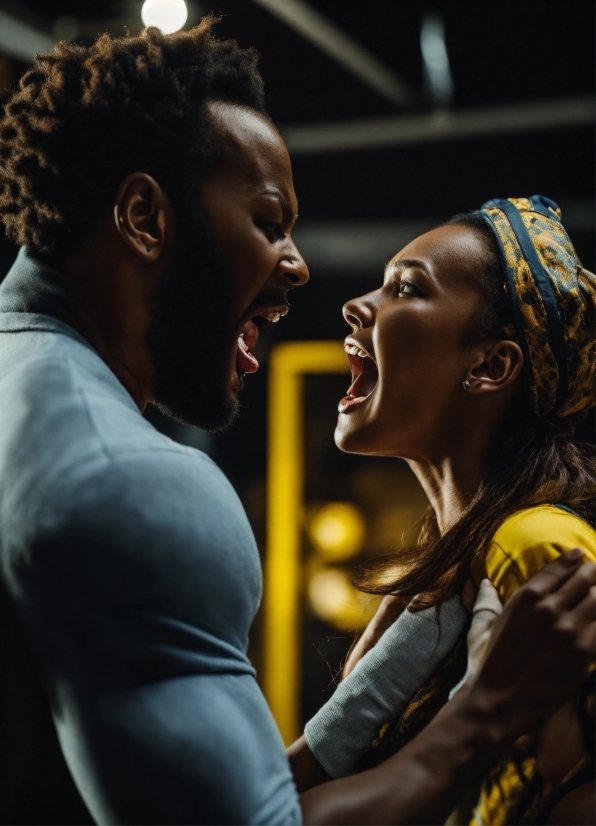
365, 376
248, 337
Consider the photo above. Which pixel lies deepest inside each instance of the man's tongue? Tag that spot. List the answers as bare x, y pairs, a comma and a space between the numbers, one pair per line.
245, 361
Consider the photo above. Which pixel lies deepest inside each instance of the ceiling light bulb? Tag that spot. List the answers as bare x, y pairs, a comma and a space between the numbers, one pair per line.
167, 15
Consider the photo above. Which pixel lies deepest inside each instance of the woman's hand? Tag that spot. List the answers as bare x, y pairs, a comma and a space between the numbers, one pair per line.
485, 607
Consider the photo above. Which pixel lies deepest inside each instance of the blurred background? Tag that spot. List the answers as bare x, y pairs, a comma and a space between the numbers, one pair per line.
397, 115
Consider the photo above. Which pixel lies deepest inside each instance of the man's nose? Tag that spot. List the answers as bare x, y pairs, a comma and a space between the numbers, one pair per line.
294, 267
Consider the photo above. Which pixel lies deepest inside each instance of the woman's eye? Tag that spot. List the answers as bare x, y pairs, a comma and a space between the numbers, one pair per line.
273, 231
407, 288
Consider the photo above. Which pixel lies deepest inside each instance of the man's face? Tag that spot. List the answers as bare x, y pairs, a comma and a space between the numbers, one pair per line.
250, 205
233, 266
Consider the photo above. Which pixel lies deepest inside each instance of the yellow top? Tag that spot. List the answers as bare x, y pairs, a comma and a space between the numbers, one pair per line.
531, 538
524, 544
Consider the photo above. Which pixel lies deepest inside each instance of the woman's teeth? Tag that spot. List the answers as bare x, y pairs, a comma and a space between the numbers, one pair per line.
355, 351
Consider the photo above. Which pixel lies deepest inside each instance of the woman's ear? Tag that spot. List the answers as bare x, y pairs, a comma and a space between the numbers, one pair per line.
495, 369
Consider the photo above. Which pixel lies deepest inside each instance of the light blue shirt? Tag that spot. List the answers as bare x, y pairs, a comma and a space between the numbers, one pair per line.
133, 566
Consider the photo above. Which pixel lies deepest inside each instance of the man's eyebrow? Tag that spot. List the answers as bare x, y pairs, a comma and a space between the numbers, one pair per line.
285, 205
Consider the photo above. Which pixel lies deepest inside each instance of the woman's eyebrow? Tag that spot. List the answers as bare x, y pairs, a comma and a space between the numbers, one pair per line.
406, 264
410, 263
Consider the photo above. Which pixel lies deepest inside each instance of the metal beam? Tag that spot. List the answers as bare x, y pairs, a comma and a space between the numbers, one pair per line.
356, 247
344, 248
348, 136
344, 49
21, 40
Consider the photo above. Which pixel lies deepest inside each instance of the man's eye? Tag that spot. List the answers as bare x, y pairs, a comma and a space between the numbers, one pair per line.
273, 231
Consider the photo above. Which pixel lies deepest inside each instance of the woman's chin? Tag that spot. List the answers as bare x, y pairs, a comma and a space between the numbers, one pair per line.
352, 438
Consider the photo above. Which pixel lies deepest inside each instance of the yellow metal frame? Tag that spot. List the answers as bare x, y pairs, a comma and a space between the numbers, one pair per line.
290, 362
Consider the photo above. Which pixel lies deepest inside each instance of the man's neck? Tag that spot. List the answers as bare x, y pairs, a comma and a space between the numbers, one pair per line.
113, 315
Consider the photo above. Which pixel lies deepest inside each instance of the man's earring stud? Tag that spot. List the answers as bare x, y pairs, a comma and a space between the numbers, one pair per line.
465, 384
148, 249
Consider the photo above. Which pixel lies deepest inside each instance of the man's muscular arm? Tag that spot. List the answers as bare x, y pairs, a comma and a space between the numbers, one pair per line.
551, 618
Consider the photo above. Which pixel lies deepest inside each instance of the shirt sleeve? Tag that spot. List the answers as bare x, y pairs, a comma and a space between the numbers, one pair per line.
530, 539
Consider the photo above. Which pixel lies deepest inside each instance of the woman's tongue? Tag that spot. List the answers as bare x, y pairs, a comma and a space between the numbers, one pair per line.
245, 361
365, 375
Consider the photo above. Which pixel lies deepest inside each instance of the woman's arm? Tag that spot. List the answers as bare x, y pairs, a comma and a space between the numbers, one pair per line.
551, 618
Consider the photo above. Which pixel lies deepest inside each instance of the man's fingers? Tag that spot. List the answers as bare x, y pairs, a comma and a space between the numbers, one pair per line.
486, 610
575, 589
584, 611
587, 641
551, 577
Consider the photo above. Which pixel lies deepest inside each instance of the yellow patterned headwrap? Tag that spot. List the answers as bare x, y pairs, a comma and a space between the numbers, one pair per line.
554, 303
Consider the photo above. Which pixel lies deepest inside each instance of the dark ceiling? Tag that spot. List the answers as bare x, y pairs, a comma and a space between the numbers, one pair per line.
503, 52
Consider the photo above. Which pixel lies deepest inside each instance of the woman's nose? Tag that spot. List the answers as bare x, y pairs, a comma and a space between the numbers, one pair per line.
358, 312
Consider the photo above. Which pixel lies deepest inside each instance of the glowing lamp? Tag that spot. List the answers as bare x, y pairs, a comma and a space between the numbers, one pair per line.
167, 15
337, 531
334, 599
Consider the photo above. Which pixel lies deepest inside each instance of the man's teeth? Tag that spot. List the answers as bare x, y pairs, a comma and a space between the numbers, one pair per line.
355, 351
273, 316
242, 343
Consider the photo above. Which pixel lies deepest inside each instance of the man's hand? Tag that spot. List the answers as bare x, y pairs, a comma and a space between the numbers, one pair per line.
532, 656
538, 653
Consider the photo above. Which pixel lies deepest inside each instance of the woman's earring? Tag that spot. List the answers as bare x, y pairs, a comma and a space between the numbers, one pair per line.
465, 384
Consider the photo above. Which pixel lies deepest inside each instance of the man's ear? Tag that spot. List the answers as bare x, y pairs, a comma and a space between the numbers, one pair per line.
142, 214
496, 368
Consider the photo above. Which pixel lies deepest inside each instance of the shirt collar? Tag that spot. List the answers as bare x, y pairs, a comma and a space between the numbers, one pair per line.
36, 297
32, 286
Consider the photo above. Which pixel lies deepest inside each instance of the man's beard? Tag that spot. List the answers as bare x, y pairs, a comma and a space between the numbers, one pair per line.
192, 333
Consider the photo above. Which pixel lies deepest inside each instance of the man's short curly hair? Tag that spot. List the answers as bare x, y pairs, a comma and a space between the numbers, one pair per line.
85, 117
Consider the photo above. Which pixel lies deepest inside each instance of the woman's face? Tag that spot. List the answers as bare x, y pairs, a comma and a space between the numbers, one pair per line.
406, 396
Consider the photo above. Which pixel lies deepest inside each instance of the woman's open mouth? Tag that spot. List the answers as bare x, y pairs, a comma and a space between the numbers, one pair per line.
247, 339
365, 376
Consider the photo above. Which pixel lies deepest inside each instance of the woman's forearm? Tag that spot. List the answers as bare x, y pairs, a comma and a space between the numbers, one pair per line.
422, 782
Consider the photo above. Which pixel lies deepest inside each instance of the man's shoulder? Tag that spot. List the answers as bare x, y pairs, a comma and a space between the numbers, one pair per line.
71, 438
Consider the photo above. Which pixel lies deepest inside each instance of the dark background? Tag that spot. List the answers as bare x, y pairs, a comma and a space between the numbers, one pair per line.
505, 53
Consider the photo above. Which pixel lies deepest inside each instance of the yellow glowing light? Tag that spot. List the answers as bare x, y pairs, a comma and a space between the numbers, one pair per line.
289, 363
334, 599
337, 531
167, 15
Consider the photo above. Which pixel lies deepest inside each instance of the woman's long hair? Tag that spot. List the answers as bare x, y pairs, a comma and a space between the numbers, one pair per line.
533, 462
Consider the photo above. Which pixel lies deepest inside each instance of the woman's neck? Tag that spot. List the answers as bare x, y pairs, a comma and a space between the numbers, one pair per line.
451, 479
